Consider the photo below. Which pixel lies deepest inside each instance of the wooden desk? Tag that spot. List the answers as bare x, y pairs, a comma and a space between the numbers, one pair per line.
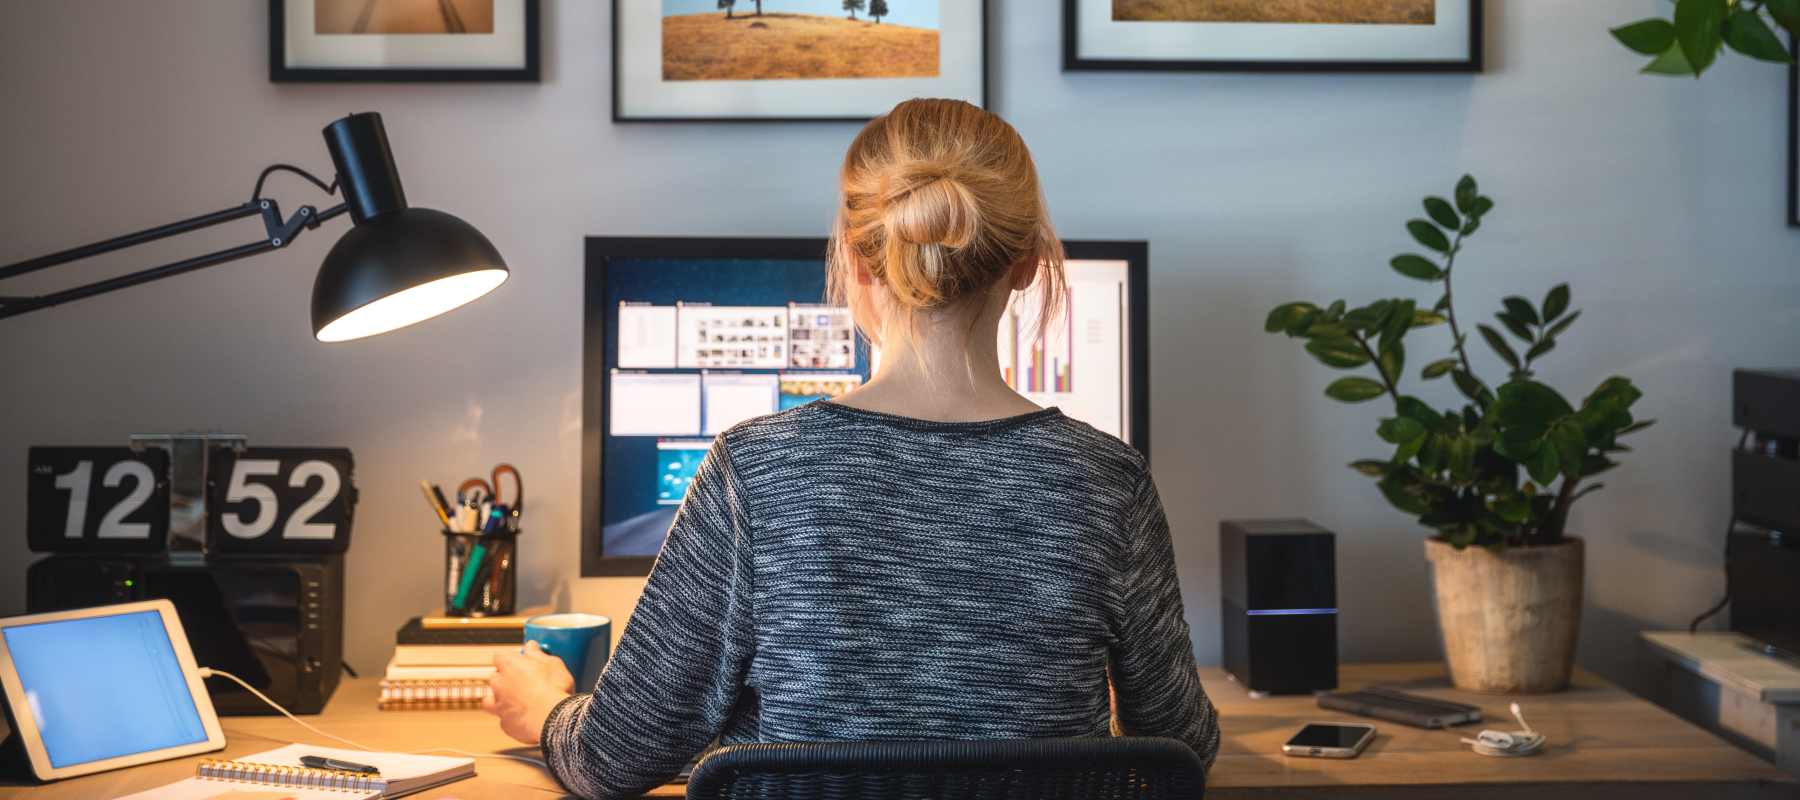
1603, 743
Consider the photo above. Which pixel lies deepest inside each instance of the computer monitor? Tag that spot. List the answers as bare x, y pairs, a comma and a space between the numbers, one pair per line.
685, 337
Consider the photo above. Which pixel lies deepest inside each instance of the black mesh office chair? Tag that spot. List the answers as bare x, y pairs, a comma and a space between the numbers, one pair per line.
1122, 768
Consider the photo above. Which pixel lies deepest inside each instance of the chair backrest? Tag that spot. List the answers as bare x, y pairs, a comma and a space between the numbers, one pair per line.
1122, 768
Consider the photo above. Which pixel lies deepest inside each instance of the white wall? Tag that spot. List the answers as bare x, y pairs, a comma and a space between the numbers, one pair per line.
1661, 201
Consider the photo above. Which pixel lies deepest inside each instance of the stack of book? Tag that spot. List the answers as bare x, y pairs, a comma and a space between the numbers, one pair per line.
444, 663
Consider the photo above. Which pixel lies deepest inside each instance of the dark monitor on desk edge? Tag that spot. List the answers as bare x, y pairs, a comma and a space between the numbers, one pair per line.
684, 337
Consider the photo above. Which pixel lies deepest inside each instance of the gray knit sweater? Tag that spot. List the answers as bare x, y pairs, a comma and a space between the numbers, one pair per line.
840, 574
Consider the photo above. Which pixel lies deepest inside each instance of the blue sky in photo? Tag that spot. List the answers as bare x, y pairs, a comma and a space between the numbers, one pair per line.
916, 13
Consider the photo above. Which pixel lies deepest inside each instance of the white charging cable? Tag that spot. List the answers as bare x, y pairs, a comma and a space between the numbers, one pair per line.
1508, 745
209, 672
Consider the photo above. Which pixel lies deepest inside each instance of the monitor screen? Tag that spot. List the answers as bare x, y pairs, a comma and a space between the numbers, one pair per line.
686, 337
102, 687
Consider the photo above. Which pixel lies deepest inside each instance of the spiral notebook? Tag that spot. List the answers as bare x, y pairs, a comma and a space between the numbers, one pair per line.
278, 775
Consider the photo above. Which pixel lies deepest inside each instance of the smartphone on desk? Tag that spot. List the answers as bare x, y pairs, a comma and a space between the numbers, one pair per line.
1330, 740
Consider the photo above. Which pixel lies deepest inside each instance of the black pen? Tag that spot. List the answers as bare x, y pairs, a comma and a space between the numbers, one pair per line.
321, 762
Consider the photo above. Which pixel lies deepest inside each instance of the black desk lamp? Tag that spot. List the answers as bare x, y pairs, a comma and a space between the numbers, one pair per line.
397, 266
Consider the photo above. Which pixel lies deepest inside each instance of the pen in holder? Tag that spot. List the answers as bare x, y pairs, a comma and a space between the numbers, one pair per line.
480, 573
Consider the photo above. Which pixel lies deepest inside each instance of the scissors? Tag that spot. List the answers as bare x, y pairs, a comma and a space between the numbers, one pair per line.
489, 490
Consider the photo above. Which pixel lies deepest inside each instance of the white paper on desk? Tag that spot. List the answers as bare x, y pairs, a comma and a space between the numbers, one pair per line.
404, 773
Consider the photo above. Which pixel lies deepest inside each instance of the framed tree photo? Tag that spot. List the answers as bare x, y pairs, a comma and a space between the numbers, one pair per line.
792, 60
1273, 35
403, 40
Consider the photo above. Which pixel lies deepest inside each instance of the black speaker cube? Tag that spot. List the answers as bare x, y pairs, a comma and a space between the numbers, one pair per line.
1279, 581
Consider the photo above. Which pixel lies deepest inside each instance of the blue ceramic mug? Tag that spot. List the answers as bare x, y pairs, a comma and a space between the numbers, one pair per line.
582, 641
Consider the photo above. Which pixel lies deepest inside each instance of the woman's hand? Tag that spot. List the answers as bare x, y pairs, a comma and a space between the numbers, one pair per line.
526, 686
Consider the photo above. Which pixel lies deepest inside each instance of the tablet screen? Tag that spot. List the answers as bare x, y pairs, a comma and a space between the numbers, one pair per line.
102, 687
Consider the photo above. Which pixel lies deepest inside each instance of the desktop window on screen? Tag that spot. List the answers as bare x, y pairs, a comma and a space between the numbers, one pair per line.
694, 346
102, 687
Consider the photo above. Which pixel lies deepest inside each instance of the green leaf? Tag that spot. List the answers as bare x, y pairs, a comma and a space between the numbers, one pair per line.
1442, 304
1786, 13
1392, 360
1521, 308
1556, 302
1671, 62
1284, 315
1370, 467
1481, 207
1405, 492
1595, 464
1531, 403
1416, 267
1425, 319
1517, 326
1437, 369
1746, 32
1561, 325
1370, 317
1650, 36
1441, 213
1699, 30
1501, 348
1336, 311
1465, 194
1542, 465
1539, 349
1338, 353
1636, 426
1353, 390
1513, 509
1395, 430
1471, 387
1428, 235
1570, 442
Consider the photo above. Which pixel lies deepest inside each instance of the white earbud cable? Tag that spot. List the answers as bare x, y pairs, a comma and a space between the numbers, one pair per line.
208, 672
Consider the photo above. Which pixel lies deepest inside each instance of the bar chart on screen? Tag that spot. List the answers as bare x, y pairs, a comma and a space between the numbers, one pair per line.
1078, 361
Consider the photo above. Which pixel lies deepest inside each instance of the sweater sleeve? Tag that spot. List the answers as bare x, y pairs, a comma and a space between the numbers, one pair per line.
676, 677
1157, 690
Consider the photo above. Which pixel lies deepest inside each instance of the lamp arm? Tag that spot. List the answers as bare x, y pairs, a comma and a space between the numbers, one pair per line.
279, 233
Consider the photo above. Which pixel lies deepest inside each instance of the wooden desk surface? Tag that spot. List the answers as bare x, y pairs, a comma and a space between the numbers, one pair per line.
1603, 743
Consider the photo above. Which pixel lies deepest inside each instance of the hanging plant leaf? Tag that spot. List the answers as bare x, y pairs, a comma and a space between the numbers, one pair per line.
1338, 353
1465, 194
1441, 213
1539, 349
1438, 368
1561, 325
1516, 325
1285, 315
1699, 30
1353, 390
1556, 302
1428, 235
1650, 36
1671, 62
1370, 467
1746, 33
1425, 319
1501, 348
1521, 309
1417, 267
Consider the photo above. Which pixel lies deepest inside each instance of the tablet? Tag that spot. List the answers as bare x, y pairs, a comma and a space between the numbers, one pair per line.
102, 688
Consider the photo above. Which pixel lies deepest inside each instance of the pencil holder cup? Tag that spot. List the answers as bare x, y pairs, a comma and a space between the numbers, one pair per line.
480, 573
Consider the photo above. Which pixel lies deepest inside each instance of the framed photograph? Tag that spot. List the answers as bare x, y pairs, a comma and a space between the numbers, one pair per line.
403, 40
792, 60
1273, 35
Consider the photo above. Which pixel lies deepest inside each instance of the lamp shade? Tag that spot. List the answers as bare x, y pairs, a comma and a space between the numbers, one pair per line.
398, 268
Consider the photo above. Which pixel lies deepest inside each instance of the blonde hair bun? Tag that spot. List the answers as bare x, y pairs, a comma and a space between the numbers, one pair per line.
940, 201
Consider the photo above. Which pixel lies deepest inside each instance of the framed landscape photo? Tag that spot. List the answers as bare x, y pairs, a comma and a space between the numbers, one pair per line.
403, 40
792, 60
1273, 35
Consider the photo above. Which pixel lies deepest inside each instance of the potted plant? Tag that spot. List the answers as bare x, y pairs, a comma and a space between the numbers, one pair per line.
1495, 478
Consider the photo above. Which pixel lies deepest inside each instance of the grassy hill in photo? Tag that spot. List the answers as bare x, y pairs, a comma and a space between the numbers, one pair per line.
709, 47
1390, 12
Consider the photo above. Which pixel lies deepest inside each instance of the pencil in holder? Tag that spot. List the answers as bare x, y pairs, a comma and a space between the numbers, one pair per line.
480, 573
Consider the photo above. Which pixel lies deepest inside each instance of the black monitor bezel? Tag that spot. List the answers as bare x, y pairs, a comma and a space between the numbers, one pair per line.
595, 406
